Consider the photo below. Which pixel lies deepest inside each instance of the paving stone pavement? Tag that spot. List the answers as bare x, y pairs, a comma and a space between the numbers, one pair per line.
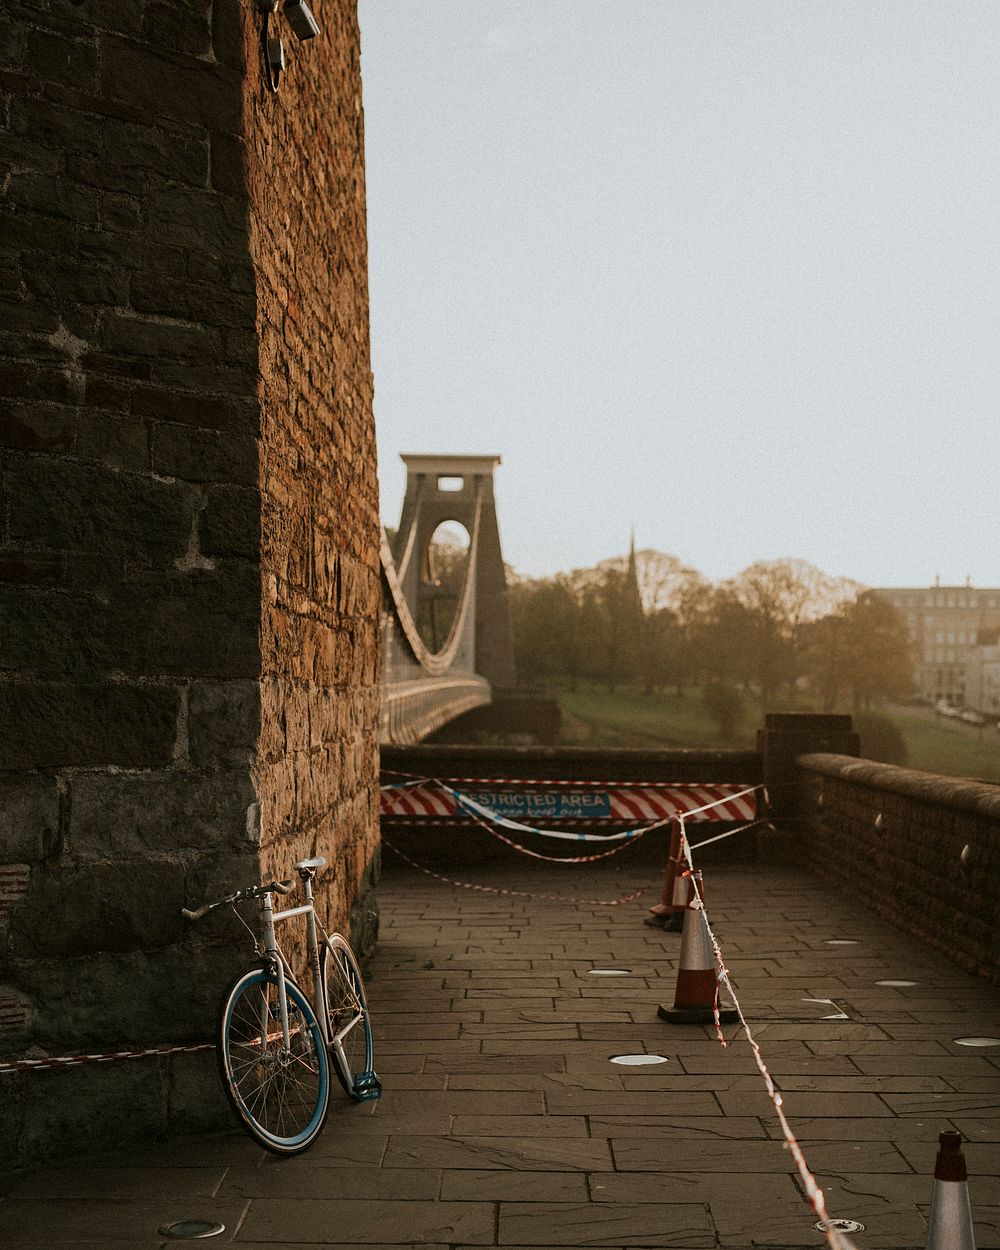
504, 1122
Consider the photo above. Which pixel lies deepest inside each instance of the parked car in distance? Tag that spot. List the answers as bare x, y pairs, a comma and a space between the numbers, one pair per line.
973, 718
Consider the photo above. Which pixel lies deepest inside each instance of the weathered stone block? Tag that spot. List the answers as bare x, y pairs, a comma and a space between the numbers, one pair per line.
28, 568
116, 442
223, 721
202, 623
229, 524
170, 152
125, 817
48, 195
59, 725
29, 817
228, 164
150, 82
62, 60
203, 455
46, 384
120, 906
65, 1106
55, 635
191, 407
32, 427
183, 26
152, 293
137, 337
200, 219
91, 508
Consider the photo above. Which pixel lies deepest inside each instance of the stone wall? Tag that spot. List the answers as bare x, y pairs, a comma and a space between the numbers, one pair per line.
185, 367
895, 839
319, 494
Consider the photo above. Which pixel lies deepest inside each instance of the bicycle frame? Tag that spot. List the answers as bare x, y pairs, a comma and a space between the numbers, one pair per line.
275, 956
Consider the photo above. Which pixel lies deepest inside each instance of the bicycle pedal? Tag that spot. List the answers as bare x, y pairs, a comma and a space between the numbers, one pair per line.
367, 1087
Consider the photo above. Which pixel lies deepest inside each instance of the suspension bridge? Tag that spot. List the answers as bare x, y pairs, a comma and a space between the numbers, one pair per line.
428, 680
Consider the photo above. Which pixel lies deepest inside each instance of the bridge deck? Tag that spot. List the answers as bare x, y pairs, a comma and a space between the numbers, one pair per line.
504, 1123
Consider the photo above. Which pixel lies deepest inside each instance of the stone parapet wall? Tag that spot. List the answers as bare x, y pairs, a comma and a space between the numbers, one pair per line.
895, 838
562, 763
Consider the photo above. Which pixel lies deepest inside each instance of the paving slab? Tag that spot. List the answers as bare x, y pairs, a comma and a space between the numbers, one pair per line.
504, 1122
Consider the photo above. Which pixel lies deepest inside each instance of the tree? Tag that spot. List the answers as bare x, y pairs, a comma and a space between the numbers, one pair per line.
725, 706
546, 628
863, 650
768, 609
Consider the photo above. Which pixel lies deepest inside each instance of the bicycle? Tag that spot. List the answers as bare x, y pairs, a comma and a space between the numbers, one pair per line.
274, 1045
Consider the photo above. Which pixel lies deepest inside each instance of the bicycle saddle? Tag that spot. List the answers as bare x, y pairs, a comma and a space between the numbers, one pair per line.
310, 865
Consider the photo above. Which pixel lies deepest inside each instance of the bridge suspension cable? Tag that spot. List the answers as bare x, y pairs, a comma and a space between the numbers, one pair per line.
436, 663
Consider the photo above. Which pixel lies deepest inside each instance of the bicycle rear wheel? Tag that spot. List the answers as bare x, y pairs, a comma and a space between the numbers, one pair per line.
280, 1096
349, 1025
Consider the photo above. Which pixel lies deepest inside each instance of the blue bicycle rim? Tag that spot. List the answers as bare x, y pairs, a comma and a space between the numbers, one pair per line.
294, 995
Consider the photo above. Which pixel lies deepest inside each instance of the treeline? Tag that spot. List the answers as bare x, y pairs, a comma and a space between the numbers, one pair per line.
776, 631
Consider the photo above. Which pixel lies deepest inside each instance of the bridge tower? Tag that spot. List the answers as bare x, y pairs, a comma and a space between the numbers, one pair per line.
453, 488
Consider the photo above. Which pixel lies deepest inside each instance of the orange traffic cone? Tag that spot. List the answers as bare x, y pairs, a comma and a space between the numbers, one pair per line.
697, 975
951, 1214
668, 913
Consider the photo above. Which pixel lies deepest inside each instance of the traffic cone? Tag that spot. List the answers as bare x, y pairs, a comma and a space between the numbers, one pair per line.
668, 913
697, 975
951, 1214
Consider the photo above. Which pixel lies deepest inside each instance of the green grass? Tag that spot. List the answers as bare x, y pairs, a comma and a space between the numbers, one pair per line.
629, 718
939, 746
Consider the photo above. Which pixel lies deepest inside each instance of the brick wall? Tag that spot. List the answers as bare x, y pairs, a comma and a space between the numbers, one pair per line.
185, 372
894, 838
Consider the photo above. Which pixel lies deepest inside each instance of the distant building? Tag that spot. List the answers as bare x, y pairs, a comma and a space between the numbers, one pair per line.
949, 627
982, 683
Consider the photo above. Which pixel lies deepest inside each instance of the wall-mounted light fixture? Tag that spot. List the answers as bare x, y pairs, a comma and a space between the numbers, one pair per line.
303, 24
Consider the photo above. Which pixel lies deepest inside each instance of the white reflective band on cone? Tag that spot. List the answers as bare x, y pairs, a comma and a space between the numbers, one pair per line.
696, 945
951, 1217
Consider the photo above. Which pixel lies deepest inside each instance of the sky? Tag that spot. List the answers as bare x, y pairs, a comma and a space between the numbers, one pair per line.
724, 273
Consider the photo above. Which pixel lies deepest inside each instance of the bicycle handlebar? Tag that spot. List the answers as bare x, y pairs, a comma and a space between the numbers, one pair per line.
254, 891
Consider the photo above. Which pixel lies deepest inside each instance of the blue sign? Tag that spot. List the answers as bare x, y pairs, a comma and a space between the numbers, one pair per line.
551, 805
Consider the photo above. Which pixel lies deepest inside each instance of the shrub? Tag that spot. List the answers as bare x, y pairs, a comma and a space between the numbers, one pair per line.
881, 738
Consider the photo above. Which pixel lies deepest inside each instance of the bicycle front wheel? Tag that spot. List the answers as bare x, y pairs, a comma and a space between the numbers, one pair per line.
280, 1094
347, 1017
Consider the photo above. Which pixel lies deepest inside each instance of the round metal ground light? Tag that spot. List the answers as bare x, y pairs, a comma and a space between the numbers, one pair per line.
638, 1061
192, 1229
609, 972
977, 1041
840, 1226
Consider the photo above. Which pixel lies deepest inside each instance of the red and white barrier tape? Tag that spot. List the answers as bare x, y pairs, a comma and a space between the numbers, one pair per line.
495, 889
814, 1194
556, 859
70, 1061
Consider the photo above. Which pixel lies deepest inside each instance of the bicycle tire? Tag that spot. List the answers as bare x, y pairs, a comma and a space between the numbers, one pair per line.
280, 1100
347, 1016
